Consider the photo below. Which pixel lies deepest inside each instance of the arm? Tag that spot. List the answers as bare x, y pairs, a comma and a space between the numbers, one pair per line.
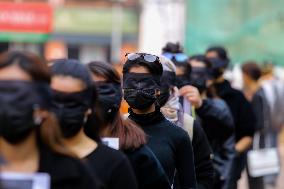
246, 123
184, 162
216, 118
202, 158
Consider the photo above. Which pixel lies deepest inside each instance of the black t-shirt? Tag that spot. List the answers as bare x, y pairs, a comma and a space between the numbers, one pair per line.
66, 172
112, 168
170, 144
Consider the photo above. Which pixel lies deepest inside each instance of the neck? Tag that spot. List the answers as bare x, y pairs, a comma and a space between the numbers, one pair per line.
145, 111
22, 157
81, 144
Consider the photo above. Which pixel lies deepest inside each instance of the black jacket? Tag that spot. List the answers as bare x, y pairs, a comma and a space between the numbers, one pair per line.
148, 170
202, 158
66, 172
216, 119
170, 144
218, 124
240, 108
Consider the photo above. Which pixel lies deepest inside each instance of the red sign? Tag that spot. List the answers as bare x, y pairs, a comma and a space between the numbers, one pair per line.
25, 17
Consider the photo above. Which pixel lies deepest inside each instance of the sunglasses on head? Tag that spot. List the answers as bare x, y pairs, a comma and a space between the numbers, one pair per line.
180, 57
147, 57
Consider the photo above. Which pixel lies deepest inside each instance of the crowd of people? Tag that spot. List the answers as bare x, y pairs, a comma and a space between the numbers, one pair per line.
186, 126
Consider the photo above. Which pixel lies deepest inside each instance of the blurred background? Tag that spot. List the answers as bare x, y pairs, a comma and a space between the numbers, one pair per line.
106, 29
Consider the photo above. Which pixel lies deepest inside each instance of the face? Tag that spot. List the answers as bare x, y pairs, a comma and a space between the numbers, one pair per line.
20, 116
197, 64
212, 54
180, 70
139, 69
14, 72
67, 84
246, 79
97, 78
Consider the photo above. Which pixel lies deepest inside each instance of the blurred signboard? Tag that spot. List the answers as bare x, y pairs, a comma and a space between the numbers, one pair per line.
30, 22
93, 21
249, 29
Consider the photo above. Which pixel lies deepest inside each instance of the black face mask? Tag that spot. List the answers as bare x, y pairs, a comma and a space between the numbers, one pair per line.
198, 78
18, 101
218, 67
110, 95
182, 80
70, 110
140, 90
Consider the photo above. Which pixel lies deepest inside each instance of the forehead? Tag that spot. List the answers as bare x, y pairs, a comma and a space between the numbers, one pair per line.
139, 69
67, 84
196, 63
14, 72
212, 54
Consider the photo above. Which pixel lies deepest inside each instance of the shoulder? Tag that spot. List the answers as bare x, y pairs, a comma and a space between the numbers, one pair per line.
108, 154
62, 167
175, 130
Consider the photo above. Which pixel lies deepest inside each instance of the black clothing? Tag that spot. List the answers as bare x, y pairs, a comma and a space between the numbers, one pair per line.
170, 144
244, 120
148, 170
240, 109
216, 119
112, 168
202, 158
65, 172
218, 124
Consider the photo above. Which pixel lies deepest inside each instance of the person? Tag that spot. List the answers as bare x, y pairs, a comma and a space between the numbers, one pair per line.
216, 118
273, 89
251, 73
29, 134
73, 95
172, 110
132, 139
213, 114
171, 145
240, 108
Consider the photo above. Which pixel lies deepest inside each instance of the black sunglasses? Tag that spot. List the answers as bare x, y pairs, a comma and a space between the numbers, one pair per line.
147, 57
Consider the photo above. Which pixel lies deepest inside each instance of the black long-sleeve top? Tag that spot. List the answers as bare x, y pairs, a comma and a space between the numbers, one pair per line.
217, 120
202, 158
170, 144
112, 168
148, 169
240, 108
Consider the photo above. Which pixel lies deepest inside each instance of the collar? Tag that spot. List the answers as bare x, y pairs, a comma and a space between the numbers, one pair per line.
224, 88
147, 119
59, 167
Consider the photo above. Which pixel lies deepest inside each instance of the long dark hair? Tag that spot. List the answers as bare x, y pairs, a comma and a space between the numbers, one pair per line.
130, 135
48, 134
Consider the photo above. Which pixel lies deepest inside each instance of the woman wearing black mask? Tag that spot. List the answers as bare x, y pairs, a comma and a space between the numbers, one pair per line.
171, 144
132, 139
29, 134
173, 111
73, 98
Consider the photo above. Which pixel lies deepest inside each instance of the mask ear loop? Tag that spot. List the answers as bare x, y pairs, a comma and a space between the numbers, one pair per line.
37, 118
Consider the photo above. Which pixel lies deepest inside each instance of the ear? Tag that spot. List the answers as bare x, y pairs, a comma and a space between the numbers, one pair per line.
39, 115
157, 92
